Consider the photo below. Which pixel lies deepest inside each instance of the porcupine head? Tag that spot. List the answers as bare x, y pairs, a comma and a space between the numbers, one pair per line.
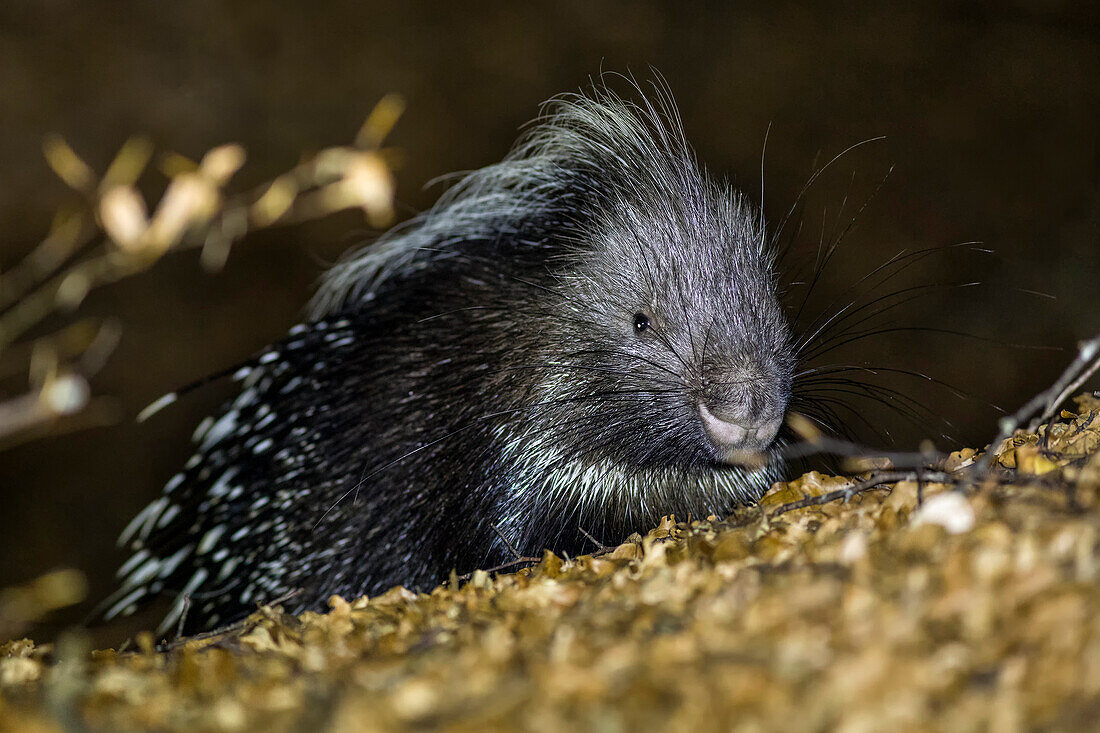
571, 343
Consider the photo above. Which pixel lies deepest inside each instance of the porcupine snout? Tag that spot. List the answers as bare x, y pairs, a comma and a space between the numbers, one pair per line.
741, 409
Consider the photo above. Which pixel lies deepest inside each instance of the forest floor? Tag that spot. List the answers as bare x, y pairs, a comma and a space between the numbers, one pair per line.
834, 604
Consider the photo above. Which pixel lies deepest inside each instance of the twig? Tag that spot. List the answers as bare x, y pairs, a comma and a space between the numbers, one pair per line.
234, 627
822, 444
183, 615
602, 547
503, 566
511, 548
1041, 406
167, 646
1077, 373
848, 492
115, 235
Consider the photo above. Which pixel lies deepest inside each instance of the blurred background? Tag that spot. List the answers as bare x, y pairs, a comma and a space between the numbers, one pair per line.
990, 112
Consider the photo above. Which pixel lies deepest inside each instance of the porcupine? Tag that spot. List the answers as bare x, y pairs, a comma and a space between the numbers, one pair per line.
569, 345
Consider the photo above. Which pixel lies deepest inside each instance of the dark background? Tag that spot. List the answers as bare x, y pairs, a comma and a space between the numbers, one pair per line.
990, 110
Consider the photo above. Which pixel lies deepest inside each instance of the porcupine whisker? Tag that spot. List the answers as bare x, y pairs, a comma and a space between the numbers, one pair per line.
911, 293
925, 329
900, 262
840, 338
810, 414
822, 261
840, 234
807, 385
889, 269
828, 411
874, 392
810, 398
815, 275
823, 337
866, 369
793, 237
915, 412
857, 415
825, 416
920, 411
763, 150
812, 179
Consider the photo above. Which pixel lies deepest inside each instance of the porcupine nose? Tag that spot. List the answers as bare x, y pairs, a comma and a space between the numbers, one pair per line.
732, 431
740, 418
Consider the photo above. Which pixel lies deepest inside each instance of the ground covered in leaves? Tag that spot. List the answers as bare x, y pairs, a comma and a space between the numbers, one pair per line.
907, 607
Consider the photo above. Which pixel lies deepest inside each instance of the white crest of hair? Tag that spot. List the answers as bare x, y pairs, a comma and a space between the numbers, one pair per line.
574, 132
561, 480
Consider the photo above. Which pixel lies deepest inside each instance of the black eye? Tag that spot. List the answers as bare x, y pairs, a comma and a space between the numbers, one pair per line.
641, 322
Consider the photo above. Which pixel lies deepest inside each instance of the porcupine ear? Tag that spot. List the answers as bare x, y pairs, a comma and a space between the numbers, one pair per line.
581, 147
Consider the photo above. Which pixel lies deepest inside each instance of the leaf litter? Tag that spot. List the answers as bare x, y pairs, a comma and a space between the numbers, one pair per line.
909, 606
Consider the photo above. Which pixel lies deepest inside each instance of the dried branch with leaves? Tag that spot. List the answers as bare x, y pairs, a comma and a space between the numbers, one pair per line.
115, 233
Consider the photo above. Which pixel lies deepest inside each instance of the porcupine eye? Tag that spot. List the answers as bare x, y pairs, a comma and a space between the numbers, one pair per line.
641, 322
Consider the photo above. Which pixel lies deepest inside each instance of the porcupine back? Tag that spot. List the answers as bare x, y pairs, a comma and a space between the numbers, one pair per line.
581, 337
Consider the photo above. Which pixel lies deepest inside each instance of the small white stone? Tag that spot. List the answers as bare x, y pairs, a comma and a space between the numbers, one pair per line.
950, 510
854, 548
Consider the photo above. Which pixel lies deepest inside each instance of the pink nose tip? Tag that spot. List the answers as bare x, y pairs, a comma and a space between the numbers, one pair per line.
734, 434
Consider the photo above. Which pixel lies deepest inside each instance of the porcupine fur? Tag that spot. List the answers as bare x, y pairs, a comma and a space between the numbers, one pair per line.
580, 338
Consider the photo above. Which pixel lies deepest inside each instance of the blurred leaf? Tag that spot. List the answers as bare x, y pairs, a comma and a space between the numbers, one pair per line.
129, 163
67, 164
